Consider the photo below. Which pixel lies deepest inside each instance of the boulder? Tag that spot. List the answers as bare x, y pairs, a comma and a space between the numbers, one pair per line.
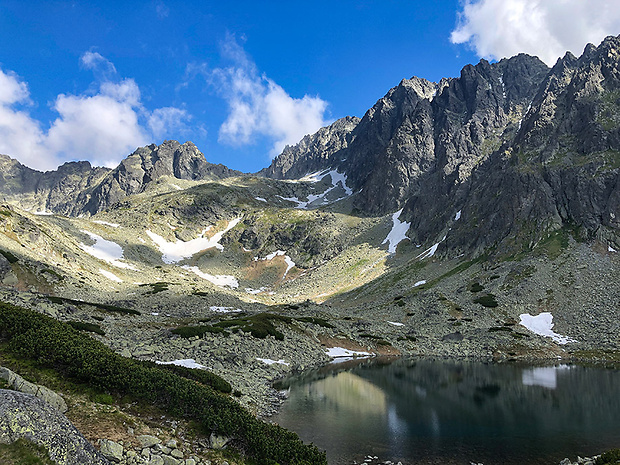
28, 417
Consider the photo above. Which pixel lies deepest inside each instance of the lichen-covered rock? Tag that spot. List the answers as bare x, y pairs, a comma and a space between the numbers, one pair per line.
111, 450
18, 383
26, 416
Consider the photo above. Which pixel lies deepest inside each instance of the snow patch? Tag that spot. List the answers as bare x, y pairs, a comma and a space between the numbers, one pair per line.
611, 249
107, 251
179, 188
542, 325
289, 262
260, 199
337, 178
219, 280
268, 361
419, 283
186, 362
335, 352
173, 252
105, 223
42, 213
223, 309
249, 290
457, 216
398, 232
396, 324
110, 276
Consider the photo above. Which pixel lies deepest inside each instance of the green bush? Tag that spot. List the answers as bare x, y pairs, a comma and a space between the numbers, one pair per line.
315, 320
260, 325
9, 256
476, 287
76, 356
486, 300
611, 457
190, 331
202, 376
90, 327
101, 307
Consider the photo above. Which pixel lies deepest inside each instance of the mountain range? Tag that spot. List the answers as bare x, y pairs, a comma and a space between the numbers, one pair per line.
443, 222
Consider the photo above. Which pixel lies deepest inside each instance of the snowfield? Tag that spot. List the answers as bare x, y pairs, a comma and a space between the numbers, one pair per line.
186, 362
337, 178
398, 232
268, 361
542, 325
335, 352
221, 280
174, 252
289, 262
107, 251
110, 276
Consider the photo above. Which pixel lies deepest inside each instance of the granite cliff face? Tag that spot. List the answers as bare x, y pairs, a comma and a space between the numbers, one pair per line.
518, 149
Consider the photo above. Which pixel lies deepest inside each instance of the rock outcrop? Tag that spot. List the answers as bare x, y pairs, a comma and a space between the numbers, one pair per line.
14, 381
25, 416
77, 188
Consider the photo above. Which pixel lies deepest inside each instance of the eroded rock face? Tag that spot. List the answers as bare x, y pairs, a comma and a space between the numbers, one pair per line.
18, 383
25, 416
78, 188
517, 148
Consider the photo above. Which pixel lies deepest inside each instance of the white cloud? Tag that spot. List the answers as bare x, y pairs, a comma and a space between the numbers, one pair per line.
102, 126
545, 28
259, 106
165, 119
97, 62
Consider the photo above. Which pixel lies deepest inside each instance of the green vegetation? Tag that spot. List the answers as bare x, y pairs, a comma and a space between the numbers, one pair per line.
159, 286
317, 321
77, 357
611, 457
9, 256
260, 326
187, 332
6, 213
487, 300
476, 287
201, 376
23, 452
101, 307
90, 327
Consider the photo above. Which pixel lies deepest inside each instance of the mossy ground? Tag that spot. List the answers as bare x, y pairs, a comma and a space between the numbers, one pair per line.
23, 452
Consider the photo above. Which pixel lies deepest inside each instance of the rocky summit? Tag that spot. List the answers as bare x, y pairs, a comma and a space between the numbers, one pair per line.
474, 217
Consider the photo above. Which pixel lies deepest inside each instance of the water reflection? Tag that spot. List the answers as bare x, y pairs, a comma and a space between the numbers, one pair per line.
455, 412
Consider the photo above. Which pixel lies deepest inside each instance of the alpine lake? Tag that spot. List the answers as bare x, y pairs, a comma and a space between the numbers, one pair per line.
421, 411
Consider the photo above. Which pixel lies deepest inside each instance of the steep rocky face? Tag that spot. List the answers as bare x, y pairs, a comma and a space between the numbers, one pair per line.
134, 173
518, 149
423, 133
314, 152
76, 188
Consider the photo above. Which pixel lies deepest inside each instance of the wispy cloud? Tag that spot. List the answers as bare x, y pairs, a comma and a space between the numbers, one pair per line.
101, 126
545, 28
259, 106
161, 10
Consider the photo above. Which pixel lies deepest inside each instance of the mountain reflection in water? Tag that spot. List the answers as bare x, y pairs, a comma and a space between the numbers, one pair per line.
423, 411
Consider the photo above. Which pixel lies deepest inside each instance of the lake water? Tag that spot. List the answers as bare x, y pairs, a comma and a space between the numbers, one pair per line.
454, 412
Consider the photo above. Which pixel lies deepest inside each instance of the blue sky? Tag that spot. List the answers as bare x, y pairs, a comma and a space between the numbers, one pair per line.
94, 80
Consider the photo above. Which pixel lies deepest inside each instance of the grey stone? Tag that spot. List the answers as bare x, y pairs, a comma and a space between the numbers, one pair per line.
176, 453
170, 460
146, 440
218, 442
156, 460
20, 384
111, 450
190, 462
172, 444
25, 416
